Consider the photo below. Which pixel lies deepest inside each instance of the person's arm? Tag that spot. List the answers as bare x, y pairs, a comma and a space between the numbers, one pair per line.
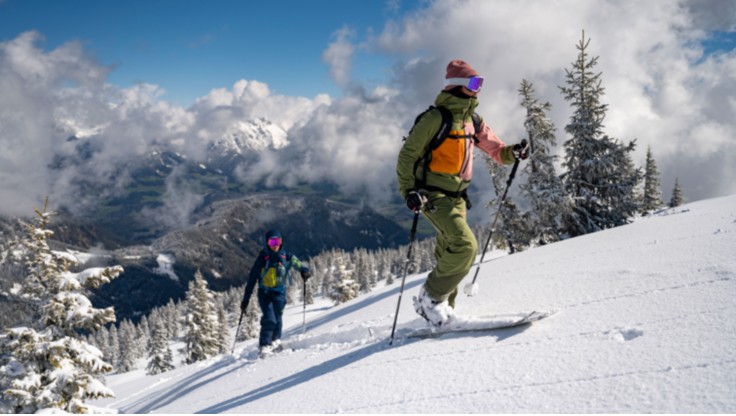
493, 146
413, 149
253, 277
298, 265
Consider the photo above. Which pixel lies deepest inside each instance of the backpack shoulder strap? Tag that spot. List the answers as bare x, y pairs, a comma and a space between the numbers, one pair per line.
444, 130
436, 140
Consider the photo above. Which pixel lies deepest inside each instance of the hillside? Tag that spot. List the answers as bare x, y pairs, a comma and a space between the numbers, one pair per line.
644, 323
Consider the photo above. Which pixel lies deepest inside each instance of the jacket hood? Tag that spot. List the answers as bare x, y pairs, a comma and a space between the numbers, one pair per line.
271, 234
457, 105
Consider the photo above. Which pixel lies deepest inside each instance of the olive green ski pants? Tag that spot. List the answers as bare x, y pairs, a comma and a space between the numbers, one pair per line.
456, 247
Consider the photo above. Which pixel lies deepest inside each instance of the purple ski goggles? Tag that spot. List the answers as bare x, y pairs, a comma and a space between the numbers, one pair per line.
473, 83
274, 242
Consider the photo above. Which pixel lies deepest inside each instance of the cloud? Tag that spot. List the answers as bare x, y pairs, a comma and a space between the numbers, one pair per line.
713, 15
64, 128
661, 88
338, 56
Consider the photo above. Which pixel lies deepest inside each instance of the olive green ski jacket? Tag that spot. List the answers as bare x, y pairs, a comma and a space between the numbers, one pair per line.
451, 164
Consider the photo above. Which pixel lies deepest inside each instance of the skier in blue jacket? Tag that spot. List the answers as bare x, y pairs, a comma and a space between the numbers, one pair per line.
271, 271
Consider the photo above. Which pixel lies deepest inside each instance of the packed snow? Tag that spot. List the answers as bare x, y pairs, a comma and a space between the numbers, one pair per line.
643, 323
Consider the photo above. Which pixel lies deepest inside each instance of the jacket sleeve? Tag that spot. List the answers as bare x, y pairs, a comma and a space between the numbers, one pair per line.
297, 264
253, 277
493, 146
413, 149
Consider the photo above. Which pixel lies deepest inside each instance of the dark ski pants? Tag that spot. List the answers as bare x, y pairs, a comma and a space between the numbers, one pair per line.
272, 303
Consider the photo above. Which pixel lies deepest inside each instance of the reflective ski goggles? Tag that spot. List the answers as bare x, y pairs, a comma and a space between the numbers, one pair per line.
473, 83
274, 242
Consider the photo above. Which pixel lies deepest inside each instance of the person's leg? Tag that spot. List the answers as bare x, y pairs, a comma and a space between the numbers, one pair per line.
456, 248
268, 319
278, 303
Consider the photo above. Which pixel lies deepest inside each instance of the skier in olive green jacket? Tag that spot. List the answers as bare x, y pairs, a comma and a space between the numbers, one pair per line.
437, 185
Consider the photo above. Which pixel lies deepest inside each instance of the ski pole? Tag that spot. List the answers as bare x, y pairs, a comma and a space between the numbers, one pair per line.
237, 331
493, 226
412, 234
304, 308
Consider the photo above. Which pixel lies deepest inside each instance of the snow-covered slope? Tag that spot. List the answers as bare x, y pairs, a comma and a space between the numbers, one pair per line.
645, 322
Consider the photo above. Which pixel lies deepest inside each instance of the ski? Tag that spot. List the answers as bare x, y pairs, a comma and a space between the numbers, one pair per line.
478, 324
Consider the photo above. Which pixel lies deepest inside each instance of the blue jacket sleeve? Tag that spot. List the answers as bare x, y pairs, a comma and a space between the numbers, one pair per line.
253, 277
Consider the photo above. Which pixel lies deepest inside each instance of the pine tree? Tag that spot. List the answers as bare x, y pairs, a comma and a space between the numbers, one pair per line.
651, 198
511, 229
50, 367
250, 327
160, 357
548, 203
343, 287
223, 329
114, 342
677, 198
128, 349
600, 177
201, 340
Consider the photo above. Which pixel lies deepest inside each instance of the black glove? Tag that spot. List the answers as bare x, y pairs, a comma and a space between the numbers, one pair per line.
521, 150
415, 200
306, 274
243, 306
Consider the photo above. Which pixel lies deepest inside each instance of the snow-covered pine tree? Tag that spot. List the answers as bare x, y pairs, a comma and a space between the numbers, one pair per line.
548, 203
250, 328
223, 329
200, 338
173, 318
343, 287
652, 194
50, 367
600, 177
677, 197
160, 358
344, 290
114, 342
128, 347
511, 229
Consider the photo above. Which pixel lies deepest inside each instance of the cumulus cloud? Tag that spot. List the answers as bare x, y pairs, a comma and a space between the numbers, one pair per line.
338, 55
64, 128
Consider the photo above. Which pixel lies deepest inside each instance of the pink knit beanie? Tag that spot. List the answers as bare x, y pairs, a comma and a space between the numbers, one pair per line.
459, 69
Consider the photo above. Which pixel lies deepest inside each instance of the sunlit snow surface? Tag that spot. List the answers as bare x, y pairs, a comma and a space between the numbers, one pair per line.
645, 322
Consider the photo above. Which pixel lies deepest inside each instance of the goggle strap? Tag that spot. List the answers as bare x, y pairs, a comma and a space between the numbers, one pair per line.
465, 82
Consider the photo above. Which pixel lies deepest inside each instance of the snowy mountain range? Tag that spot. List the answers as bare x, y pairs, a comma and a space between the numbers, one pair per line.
199, 214
644, 322
251, 135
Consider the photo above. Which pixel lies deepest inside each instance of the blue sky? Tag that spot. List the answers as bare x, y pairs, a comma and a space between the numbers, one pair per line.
189, 47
